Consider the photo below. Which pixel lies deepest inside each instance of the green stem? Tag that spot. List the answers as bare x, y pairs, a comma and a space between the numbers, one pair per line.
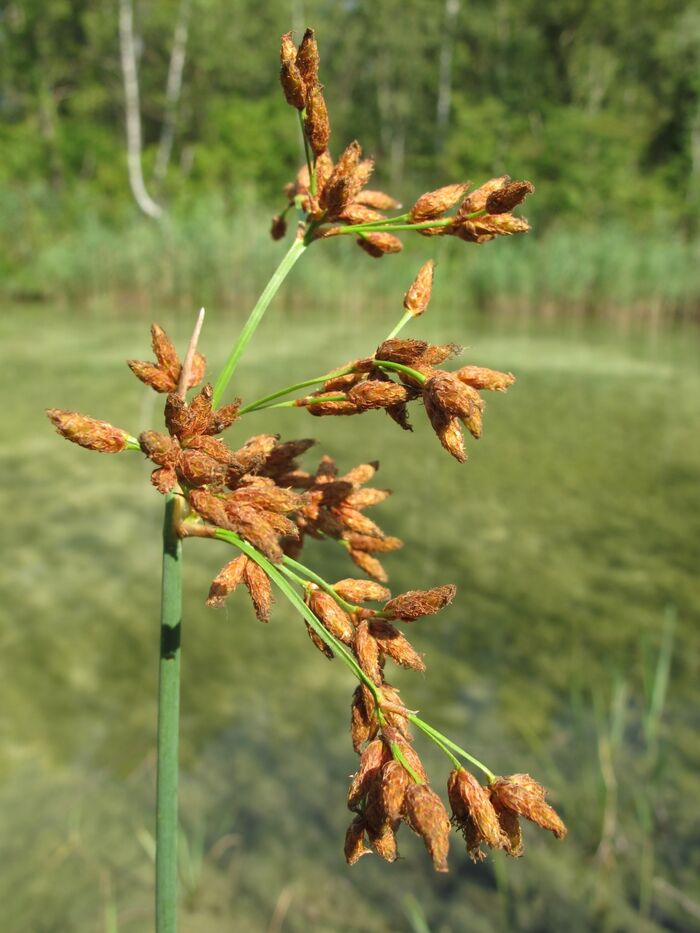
379, 226
168, 716
399, 756
400, 325
262, 402
446, 744
294, 402
319, 581
256, 315
400, 368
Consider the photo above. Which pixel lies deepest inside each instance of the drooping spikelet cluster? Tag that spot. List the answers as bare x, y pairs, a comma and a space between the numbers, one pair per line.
259, 497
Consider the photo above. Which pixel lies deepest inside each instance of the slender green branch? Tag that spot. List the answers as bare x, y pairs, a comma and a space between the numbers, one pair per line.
400, 368
446, 744
400, 757
168, 716
262, 402
294, 402
256, 315
132, 443
390, 224
400, 325
319, 581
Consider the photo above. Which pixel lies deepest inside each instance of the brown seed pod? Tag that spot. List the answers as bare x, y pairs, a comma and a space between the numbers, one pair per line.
332, 408
476, 201
427, 817
327, 610
383, 841
370, 565
417, 297
418, 603
307, 59
364, 498
290, 77
454, 399
88, 432
371, 761
378, 200
255, 452
354, 213
316, 123
504, 199
433, 204
360, 591
278, 227
395, 645
360, 542
521, 794
511, 828
501, 225
379, 243
152, 376
474, 813
165, 352
212, 446
393, 783
324, 170
363, 724
320, 643
164, 479
367, 652
196, 468
226, 581
481, 378
260, 589
447, 429
438, 353
394, 735
406, 352
372, 394
355, 846
251, 525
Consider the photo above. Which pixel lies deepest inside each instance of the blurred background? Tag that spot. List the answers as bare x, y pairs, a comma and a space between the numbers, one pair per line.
573, 532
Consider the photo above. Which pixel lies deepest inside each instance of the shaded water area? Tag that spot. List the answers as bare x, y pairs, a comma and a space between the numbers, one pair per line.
571, 651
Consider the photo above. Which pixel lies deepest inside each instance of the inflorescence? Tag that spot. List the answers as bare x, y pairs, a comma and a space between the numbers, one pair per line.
261, 500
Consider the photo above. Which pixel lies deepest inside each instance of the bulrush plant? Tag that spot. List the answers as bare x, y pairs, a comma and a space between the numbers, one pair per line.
255, 496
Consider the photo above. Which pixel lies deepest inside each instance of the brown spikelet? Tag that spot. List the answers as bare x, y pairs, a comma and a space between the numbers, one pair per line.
290, 76
378, 200
427, 817
379, 244
360, 591
363, 725
393, 783
88, 432
354, 213
320, 643
371, 761
369, 564
474, 813
481, 378
316, 123
226, 581
364, 498
260, 589
396, 713
327, 610
521, 794
152, 376
383, 841
367, 652
249, 523
374, 545
476, 201
504, 199
165, 352
445, 393
332, 408
307, 59
278, 227
417, 297
407, 352
395, 645
418, 603
446, 427
355, 846
196, 468
324, 170
342, 383
433, 204
255, 452
394, 735
164, 479
372, 393
511, 829
501, 225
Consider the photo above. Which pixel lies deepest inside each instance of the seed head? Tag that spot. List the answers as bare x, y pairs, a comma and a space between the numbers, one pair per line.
418, 603
481, 378
476, 201
473, 813
307, 59
333, 618
226, 581
504, 199
316, 123
395, 645
433, 204
367, 652
417, 297
372, 393
88, 432
371, 761
520, 794
278, 228
363, 725
377, 244
383, 841
360, 591
427, 817
355, 846
290, 77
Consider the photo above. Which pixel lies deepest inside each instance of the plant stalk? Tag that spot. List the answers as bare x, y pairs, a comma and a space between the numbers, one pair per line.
256, 315
168, 723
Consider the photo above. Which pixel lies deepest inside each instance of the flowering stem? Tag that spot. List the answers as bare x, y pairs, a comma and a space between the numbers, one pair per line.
262, 402
294, 402
256, 315
400, 325
400, 368
447, 744
168, 715
319, 581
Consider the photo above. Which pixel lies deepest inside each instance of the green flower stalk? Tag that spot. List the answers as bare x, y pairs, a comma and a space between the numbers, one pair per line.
260, 499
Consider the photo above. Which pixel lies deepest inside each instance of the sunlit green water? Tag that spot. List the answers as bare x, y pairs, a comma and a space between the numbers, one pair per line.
573, 533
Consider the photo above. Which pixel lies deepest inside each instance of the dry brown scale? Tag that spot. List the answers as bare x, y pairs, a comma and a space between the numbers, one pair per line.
262, 493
